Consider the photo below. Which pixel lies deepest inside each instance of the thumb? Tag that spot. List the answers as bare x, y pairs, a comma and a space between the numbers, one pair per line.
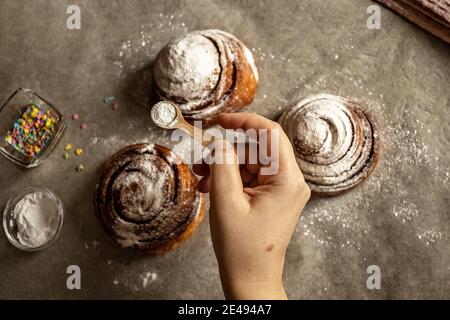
226, 182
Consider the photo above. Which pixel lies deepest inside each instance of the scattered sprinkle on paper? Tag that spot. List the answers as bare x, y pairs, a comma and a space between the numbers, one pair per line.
108, 99
115, 106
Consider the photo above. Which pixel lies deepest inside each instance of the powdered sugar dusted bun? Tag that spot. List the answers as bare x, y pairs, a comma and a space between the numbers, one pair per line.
335, 140
147, 199
206, 73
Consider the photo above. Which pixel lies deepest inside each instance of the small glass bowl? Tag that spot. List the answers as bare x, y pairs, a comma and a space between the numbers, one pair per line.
9, 222
12, 110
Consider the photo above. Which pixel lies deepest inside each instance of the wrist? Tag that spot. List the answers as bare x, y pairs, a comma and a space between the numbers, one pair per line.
254, 290
264, 284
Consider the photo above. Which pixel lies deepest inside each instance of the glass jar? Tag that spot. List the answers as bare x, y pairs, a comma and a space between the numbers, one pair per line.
9, 220
30, 127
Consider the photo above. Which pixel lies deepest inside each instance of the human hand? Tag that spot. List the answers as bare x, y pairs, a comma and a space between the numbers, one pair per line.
252, 216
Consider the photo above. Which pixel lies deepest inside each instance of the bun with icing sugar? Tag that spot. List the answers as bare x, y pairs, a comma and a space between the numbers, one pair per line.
336, 142
206, 73
147, 199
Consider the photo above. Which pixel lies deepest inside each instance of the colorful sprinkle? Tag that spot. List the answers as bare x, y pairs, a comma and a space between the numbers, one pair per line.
80, 168
30, 134
115, 106
68, 147
83, 126
108, 99
66, 155
78, 152
75, 116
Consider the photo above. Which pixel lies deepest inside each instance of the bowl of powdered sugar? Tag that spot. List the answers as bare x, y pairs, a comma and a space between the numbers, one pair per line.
33, 219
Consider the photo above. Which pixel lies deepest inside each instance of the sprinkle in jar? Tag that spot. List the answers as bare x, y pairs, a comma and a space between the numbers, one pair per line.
30, 128
31, 133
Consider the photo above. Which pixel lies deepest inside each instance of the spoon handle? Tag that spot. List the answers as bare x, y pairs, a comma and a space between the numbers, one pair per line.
196, 133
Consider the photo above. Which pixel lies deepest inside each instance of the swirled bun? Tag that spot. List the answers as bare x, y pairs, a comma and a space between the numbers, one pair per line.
206, 73
147, 199
336, 142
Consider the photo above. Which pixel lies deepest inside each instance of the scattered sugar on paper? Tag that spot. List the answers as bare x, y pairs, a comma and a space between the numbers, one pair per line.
136, 52
403, 149
147, 278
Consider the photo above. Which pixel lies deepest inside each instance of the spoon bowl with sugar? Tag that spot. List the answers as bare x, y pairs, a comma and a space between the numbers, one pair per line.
167, 115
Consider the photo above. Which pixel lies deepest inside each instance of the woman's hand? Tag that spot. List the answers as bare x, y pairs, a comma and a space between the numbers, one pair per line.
253, 216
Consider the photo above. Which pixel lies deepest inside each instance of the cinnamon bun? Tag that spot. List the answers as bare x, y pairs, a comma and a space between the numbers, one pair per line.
336, 142
206, 73
147, 199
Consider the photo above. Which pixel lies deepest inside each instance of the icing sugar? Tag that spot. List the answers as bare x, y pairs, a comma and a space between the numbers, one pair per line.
36, 216
163, 114
143, 190
197, 72
333, 142
188, 68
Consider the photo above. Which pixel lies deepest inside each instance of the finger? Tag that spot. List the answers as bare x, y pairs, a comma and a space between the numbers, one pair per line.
281, 147
245, 121
252, 164
226, 182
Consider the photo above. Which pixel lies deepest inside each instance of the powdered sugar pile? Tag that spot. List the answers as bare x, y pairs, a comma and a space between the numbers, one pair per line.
37, 220
163, 114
